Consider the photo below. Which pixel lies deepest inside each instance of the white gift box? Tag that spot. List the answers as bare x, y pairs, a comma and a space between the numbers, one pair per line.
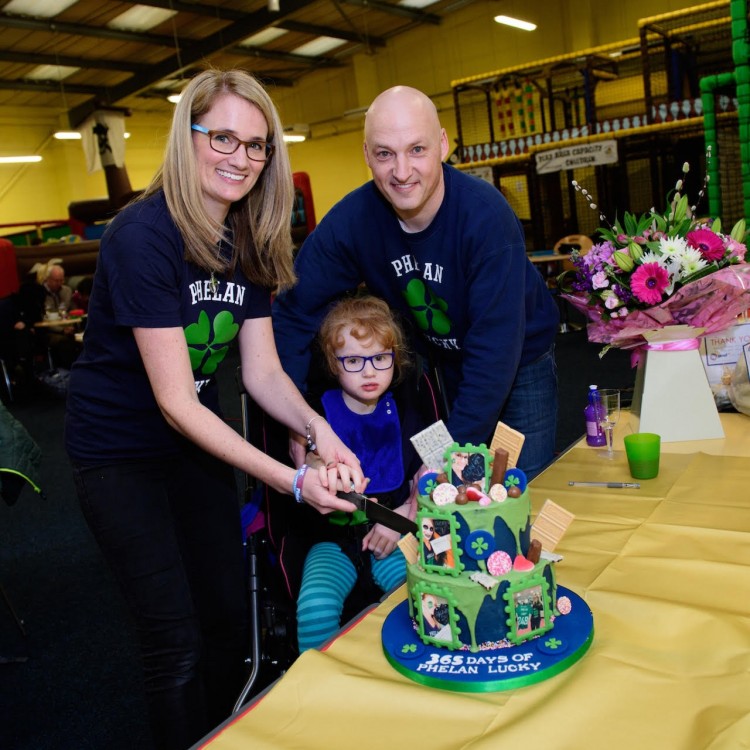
672, 395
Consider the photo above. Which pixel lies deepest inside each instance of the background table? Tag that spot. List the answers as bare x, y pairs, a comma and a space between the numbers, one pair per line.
666, 572
549, 257
60, 322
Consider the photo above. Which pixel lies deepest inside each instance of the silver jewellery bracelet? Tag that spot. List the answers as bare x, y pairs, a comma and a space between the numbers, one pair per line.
297, 484
311, 447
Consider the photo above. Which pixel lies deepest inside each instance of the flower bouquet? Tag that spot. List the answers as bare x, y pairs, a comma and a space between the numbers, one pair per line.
666, 278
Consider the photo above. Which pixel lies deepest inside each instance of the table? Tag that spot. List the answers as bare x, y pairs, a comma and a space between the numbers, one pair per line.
551, 262
60, 322
666, 572
549, 257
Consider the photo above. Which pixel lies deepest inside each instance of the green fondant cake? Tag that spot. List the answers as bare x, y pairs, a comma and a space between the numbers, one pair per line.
474, 586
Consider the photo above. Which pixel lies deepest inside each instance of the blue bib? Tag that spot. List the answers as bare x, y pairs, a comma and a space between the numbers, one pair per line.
375, 438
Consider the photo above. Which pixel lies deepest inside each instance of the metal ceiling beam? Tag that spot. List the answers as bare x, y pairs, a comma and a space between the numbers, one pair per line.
77, 29
34, 58
314, 30
290, 57
230, 15
267, 77
227, 14
195, 53
48, 86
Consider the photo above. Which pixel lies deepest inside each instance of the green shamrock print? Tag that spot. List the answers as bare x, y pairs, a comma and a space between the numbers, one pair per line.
512, 481
207, 350
428, 309
480, 546
408, 648
553, 643
430, 486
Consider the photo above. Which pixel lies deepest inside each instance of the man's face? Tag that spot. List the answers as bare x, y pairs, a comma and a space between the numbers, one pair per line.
55, 279
404, 148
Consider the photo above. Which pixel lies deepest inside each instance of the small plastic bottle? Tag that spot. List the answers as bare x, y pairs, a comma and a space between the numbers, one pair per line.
594, 433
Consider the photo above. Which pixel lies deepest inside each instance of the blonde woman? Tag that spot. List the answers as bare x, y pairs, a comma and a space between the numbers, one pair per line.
183, 272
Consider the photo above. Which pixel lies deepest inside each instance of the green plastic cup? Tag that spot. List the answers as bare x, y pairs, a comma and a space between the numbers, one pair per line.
643, 449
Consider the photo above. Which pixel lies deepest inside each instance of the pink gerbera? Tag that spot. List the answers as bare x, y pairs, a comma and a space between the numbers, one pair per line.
649, 282
708, 243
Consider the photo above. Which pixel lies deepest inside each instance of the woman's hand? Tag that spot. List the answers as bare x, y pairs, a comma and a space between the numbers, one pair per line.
343, 467
317, 492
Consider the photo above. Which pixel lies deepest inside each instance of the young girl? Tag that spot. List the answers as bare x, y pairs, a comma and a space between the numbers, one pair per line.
363, 346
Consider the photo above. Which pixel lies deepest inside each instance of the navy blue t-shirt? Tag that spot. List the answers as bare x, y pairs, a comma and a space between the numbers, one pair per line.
143, 280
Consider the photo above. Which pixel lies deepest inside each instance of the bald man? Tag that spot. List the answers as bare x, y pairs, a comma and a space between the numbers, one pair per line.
445, 250
58, 294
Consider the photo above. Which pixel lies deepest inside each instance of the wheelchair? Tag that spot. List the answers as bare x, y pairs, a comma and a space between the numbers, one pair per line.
277, 542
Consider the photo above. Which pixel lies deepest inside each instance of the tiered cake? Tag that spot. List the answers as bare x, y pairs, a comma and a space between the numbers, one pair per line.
478, 581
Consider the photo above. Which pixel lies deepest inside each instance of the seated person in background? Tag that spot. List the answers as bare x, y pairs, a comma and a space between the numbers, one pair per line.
47, 297
81, 295
363, 345
57, 294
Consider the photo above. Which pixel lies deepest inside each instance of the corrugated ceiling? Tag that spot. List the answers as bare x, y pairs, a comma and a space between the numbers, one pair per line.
118, 68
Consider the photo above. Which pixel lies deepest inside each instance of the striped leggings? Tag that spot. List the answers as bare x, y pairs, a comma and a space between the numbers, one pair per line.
327, 579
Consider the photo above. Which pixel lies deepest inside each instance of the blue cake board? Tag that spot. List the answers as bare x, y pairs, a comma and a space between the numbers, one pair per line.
490, 670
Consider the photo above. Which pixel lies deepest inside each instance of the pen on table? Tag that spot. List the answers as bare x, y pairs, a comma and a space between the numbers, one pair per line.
609, 485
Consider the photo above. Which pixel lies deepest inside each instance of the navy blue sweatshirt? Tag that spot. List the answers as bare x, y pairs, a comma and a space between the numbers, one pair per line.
478, 306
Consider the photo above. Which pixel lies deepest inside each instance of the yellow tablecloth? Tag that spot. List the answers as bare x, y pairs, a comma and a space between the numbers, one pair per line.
666, 573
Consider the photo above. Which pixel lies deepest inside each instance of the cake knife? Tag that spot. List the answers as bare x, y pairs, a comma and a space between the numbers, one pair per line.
379, 513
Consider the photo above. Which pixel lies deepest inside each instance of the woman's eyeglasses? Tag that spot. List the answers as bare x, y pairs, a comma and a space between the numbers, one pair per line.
226, 143
382, 361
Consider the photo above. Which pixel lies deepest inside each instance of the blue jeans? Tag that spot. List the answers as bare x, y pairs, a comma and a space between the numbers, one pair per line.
170, 531
531, 408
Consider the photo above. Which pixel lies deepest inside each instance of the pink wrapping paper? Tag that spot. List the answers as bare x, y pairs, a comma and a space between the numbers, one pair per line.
711, 304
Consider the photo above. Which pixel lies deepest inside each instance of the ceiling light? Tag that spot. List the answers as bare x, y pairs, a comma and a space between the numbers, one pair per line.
140, 18
296, 133
319, 46
516, 23
74, 135
19, 159
263, 37
50, 72
416, 3
174, 98
38, 8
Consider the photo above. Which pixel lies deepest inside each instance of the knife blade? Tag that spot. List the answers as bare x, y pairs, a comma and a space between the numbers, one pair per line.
379, 513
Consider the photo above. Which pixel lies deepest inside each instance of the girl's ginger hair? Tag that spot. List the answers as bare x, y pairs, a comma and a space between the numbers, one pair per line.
368, 318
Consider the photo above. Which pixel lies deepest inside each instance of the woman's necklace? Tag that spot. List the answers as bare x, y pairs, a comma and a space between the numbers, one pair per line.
214, 282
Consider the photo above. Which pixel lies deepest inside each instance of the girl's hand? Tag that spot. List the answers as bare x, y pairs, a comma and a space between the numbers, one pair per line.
381, 541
